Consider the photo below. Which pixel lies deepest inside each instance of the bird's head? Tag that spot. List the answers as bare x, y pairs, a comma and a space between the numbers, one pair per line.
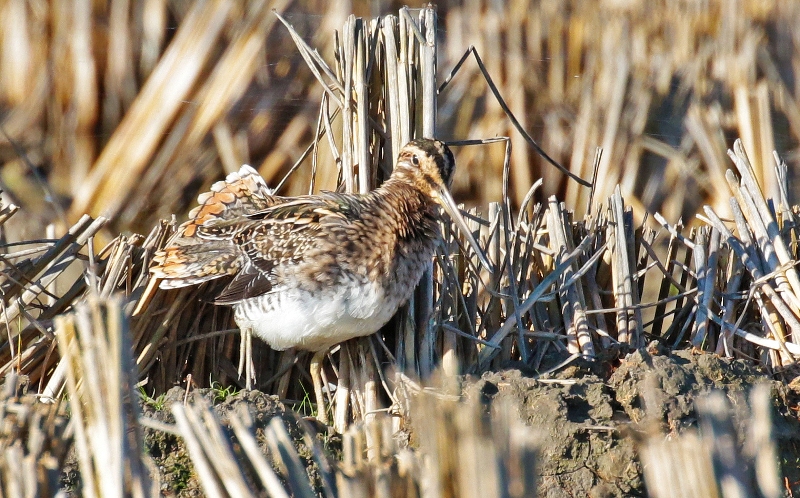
430, 165
429, 161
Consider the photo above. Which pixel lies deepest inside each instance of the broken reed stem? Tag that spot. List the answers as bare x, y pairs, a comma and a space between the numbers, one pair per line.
628, 327
572, 307
94, 344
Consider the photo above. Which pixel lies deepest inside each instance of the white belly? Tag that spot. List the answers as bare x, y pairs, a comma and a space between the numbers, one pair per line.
296, 318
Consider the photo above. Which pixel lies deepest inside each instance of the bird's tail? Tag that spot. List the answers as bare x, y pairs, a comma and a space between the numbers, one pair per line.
179, 266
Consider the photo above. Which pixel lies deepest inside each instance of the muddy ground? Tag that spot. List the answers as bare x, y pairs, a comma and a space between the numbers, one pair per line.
589, 415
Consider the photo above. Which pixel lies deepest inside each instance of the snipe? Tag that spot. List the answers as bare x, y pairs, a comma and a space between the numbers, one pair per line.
313, 271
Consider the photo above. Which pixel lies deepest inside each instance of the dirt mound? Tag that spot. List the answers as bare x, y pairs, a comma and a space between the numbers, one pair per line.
590, 416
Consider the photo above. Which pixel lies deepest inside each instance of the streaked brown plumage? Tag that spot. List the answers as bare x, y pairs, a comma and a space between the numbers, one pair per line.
312, 271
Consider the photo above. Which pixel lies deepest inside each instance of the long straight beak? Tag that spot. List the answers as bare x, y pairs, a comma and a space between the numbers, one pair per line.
449, 205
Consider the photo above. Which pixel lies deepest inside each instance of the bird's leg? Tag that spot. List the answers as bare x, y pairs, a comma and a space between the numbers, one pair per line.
315, 368
246, 357
325, 382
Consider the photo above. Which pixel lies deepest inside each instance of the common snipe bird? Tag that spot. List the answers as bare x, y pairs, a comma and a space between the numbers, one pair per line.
313, 271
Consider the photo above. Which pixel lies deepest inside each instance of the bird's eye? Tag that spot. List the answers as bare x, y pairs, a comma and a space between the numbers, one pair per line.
415, 160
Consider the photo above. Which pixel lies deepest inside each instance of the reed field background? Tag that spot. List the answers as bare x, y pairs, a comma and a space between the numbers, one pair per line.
640, 332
